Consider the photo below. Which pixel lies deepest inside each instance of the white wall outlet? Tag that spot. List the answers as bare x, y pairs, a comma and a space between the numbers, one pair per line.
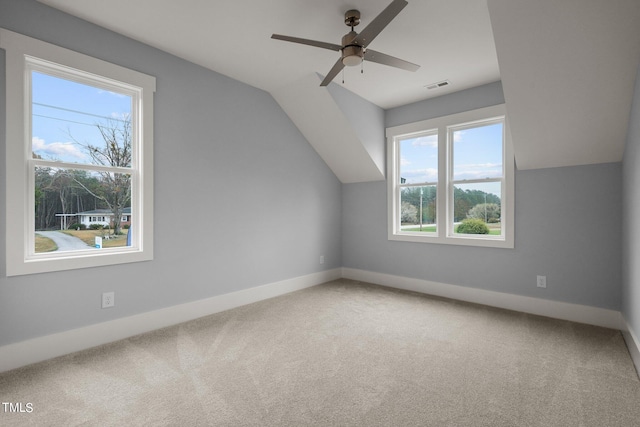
108, 299
541, 281
321, 259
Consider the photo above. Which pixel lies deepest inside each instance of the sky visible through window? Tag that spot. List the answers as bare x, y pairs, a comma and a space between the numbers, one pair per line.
477, 152
477, 155
65, 115
419, 159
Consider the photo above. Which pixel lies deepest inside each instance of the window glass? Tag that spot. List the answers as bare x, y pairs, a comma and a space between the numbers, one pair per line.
419, 159
480, 201
418, 164
78, 123
73, 123
71, 200
418, 209
477, 152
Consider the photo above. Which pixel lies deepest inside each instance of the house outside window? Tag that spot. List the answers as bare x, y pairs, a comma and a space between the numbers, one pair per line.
450, 180
79, 133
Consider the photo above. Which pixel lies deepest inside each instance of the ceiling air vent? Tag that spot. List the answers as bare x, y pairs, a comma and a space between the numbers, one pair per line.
438, 84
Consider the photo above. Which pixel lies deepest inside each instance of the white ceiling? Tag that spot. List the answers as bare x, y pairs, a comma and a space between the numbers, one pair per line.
449, 39
567, 66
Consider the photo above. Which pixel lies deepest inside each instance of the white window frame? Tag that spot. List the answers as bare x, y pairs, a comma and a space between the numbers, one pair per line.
24, 54
444, 200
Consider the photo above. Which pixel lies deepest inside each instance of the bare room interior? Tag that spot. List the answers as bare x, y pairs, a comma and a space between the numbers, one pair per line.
280, 255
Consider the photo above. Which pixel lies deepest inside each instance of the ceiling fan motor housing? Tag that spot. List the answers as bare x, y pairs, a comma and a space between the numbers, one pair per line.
352, 54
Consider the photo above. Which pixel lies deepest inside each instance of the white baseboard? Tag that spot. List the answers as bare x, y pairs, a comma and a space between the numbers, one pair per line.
633, 344
554, 309
42, 348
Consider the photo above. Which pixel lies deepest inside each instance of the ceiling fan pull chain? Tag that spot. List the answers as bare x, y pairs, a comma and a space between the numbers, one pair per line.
343, 76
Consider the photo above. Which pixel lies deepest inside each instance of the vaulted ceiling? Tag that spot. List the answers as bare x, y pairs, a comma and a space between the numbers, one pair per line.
567, 66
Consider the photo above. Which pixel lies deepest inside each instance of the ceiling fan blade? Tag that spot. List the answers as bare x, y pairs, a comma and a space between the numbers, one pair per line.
337, 67
377, 25
315, 43
381, 58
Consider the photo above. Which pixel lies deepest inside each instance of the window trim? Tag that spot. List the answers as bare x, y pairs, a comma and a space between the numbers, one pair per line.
444, 201
21, 53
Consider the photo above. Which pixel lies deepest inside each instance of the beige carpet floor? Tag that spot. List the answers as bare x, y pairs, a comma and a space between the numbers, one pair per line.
341, 354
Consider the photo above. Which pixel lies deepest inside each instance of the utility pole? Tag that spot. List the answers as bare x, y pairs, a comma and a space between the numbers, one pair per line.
485, 208
421, 208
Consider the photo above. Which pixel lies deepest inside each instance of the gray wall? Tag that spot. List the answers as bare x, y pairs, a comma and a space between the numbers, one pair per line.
631, 215
226, 156
567, 227
464, 100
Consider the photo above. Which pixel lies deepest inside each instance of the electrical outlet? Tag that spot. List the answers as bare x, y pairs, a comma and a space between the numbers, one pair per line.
321, 259
108, 299
541, 281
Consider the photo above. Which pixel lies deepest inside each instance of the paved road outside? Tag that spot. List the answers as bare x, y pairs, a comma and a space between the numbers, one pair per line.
64, 241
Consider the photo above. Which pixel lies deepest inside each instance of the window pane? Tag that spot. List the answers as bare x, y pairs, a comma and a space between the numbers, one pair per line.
73, 207
481, 202
419, 159
418, 209
477, 152
78, 123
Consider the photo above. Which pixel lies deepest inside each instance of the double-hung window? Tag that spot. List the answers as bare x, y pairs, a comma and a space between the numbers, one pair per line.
79, 154
450, 180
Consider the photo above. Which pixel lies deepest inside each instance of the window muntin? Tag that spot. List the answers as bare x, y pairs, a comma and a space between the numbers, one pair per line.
474, 164
46, 83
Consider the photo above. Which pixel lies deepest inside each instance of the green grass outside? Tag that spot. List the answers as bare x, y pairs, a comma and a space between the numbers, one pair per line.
494, 229
425, 229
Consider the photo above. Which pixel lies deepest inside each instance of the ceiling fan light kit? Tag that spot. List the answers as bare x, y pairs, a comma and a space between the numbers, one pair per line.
354, 46
352, 55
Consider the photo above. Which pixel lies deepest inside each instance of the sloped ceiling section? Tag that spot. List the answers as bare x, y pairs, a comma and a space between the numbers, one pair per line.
567, 70
352, 155
366, 119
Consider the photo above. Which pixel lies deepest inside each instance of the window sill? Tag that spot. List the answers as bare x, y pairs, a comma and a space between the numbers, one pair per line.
489, 242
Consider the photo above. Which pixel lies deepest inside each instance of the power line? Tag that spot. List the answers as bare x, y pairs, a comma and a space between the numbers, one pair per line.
77, 112
64, 120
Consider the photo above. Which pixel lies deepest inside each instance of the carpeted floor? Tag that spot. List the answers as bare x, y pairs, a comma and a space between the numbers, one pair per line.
341, 354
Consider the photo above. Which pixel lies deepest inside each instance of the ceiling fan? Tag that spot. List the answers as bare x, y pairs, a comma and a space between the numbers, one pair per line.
354, 46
